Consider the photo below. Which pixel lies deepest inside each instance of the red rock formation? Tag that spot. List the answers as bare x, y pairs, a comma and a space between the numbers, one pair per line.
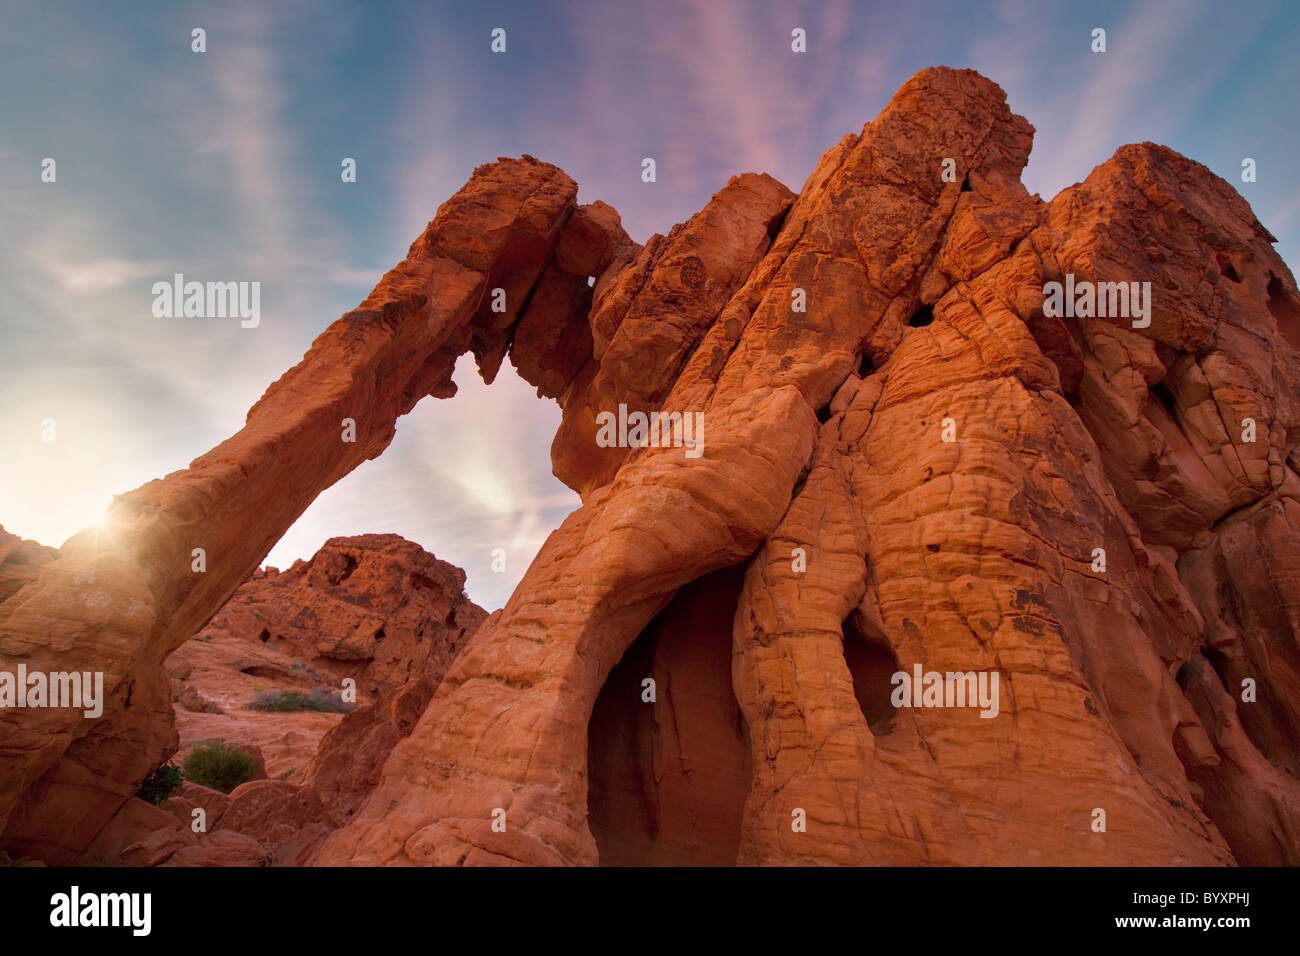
119, 600
223, 848
897, 548
424, 618
923, 467
191, 797
20, 561
375, 608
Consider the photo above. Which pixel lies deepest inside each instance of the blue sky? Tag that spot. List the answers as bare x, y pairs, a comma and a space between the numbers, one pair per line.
225, 165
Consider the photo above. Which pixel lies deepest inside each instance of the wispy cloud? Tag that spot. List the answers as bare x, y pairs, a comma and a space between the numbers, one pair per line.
134, 396
103, 274
1139, 89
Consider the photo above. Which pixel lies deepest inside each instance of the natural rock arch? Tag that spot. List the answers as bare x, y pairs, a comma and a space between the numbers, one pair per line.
966, 554
120, 599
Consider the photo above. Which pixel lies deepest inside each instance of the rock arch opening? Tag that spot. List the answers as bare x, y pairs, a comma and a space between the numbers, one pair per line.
921, 317
483, 457
872, 664
667, 779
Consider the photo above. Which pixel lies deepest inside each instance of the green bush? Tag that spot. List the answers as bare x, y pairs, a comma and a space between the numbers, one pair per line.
213, 764
286, 701
161, 784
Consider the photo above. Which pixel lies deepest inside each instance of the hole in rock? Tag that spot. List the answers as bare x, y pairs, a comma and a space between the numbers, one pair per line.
965, 183
257, 670
379, 634
774, 226
1160, 392
872, 664
1285, 311
1225, 267
667, 780
824, 413
865, 366
921, 317
348, 568
264, 636
1219, 663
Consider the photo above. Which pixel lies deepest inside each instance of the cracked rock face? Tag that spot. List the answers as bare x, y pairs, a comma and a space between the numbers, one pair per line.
375, 608
912, 462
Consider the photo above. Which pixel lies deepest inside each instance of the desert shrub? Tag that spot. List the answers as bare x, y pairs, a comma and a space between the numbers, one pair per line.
287, 701
213, 764
161, 784
271, 701
329, 701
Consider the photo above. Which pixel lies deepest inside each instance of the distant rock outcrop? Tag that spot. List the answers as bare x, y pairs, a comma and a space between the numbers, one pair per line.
374, 609
917, 456
20, 561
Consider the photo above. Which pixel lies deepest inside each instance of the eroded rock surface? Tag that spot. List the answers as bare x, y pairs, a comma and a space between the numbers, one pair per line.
118, 600
374, 609
907, 460
20, 562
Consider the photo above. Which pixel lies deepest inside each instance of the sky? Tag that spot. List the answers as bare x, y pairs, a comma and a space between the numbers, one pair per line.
225, 165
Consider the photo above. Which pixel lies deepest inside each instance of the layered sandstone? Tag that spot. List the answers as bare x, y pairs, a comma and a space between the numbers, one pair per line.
922, 466
376, 610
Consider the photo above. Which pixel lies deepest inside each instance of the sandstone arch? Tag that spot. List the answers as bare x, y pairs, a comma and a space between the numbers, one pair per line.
122, 599
965, 554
